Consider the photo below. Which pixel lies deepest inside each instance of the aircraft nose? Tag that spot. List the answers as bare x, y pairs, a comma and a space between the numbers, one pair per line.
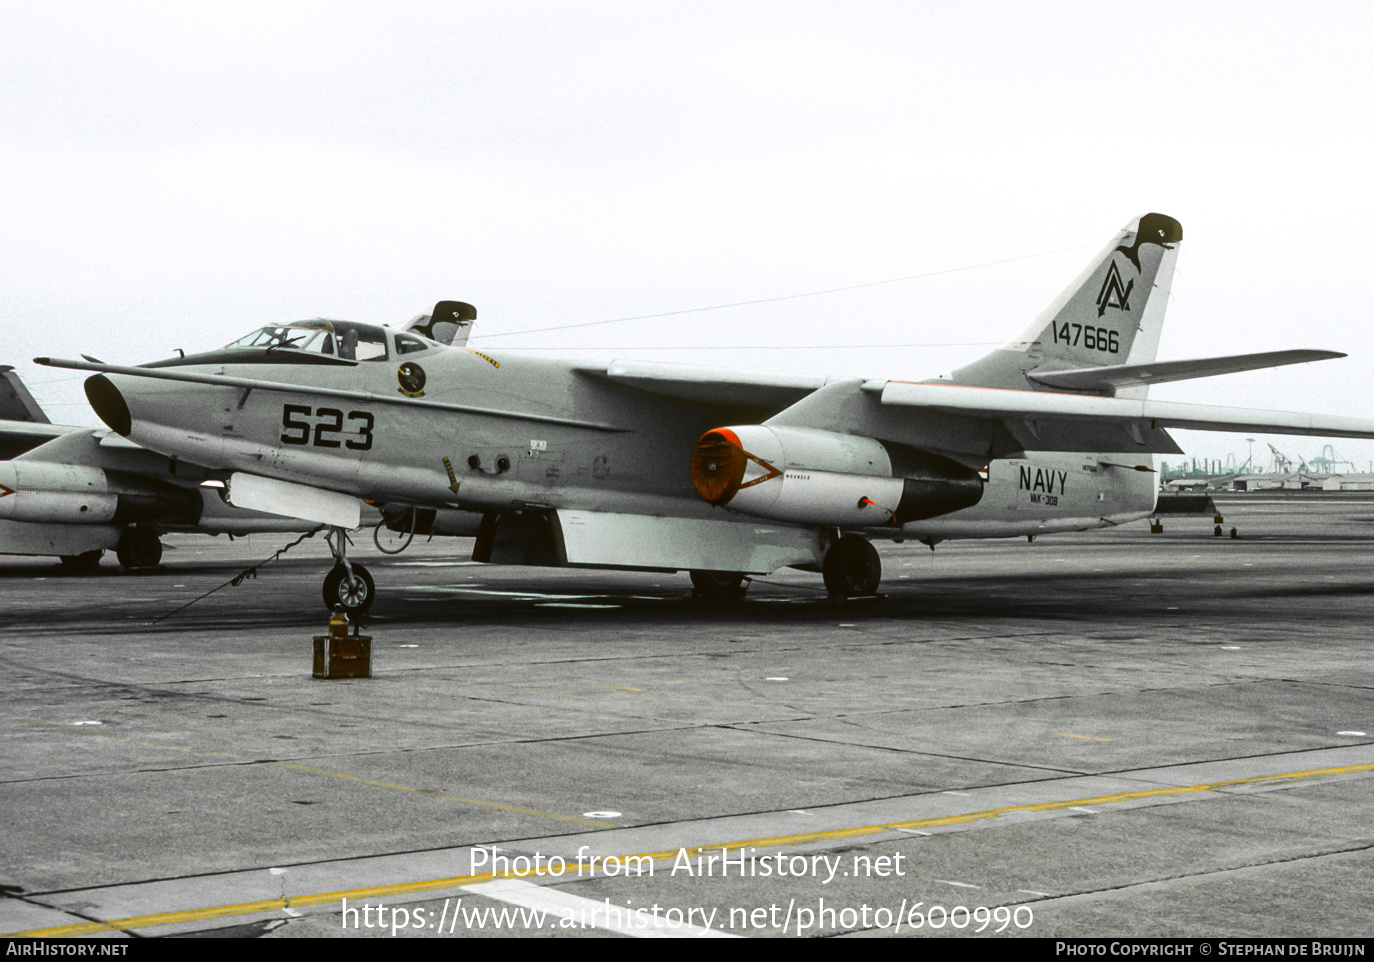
109, 404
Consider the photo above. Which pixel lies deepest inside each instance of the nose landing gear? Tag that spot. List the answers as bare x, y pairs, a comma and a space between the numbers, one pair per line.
347, 584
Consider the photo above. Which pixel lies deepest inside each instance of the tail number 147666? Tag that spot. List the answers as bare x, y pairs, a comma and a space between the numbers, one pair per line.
1081, 335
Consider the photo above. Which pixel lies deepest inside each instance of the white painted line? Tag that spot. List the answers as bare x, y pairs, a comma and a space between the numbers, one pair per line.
1079, 808
1352, 734
606, 814
913, 831
624, 920
521, 595
962, 885
1043, 895
1230, 647
961, 794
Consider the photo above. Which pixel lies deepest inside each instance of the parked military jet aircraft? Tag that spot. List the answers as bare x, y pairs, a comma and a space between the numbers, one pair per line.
661, 467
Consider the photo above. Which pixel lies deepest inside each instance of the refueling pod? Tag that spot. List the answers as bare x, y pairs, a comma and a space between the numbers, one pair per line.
816, 477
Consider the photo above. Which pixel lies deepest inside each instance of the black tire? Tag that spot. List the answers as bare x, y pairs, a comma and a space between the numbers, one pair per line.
356, 597
87, 562
139, 549
851, 568
718, 586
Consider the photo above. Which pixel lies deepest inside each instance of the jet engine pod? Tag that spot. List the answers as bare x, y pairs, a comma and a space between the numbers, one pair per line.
815, 477
44, 492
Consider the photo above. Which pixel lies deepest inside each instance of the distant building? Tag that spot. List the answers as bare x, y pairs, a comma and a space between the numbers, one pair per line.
1272, 482
1349, 482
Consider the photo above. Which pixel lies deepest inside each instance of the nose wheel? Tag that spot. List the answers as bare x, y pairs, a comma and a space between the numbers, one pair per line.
354, 590
348, 585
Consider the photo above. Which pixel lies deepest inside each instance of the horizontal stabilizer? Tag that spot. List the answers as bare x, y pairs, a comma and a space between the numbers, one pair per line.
1033, 405
1134, 375
16, 437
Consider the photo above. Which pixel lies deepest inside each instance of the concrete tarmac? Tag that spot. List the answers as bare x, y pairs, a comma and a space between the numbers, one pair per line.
1106, 734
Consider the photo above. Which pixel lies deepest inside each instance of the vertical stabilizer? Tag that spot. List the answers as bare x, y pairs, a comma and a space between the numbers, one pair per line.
1111, 314
16, 403
449, 323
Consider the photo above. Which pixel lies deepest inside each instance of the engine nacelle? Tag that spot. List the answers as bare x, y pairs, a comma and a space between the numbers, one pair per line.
47, 492
431, 521
815, 477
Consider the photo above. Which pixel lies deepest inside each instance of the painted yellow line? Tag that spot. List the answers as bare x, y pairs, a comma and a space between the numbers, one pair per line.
806, 838
1091, 738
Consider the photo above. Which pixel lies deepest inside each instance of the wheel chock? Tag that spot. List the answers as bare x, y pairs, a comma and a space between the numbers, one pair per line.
341, 655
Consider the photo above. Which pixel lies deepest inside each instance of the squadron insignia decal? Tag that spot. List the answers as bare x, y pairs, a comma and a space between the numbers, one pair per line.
411, 377
1113, 294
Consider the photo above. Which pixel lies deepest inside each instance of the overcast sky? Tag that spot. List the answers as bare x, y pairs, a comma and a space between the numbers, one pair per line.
175, 175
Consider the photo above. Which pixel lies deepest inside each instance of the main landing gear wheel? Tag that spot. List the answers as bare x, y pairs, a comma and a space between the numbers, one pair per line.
139, 549
85, 563
718, 586
851, 567
356, 594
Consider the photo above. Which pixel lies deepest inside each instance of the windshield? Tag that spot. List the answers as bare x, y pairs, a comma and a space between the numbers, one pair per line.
301, 335
344, 339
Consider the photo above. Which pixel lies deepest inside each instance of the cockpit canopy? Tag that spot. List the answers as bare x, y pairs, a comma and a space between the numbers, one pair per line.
347, 340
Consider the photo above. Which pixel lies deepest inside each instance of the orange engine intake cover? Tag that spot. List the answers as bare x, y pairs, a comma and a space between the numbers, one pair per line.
718, 463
